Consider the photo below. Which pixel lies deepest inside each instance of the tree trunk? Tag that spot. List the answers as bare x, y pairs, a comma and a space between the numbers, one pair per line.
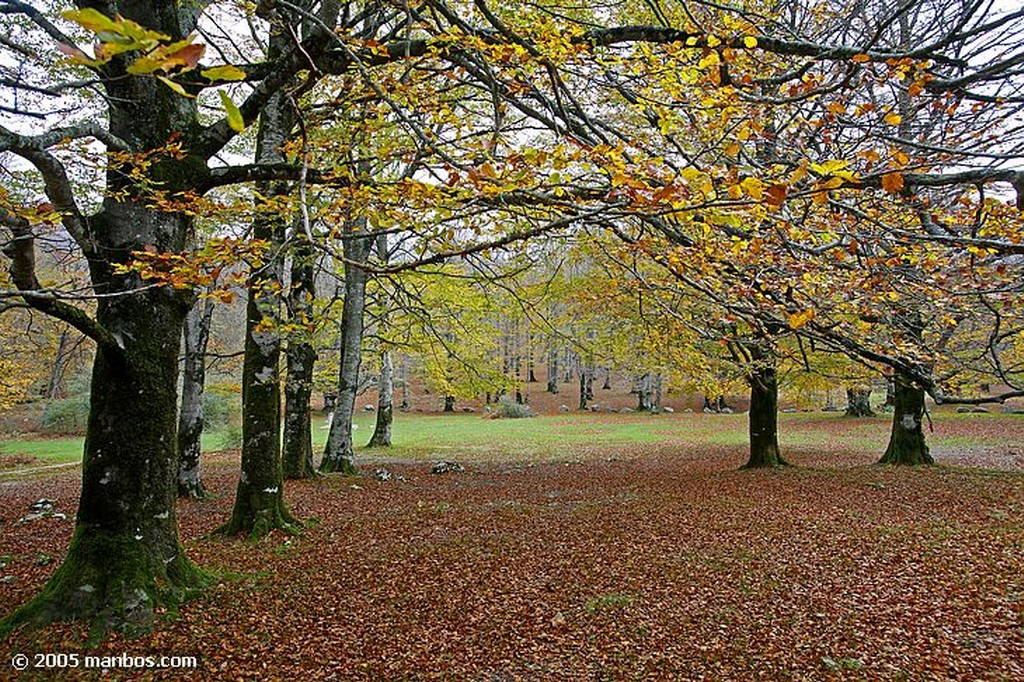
764, 414
125, 559
405, 405
259, 498
297, 445
715, 405
644, 390
531, 375
858, 401
385, 403
57, 372
586, 386
906, 442
338, 454
607, 385
890, 392
190, 418
552, 387
449, 403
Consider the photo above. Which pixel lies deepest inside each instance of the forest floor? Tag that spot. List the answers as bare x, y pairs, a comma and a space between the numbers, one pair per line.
600, 558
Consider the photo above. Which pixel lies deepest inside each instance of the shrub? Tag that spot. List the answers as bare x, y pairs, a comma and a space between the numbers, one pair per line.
219, 410
509, 409
66, 417
231, 437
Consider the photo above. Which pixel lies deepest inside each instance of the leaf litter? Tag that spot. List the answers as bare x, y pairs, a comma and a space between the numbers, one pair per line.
639, 562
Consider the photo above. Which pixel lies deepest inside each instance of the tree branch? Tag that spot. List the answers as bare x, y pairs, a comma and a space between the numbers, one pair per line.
21, 251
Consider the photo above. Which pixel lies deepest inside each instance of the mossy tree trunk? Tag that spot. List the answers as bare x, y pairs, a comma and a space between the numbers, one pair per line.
906, 441
259, 497
297, 447
764, 410
125, 559
190, 418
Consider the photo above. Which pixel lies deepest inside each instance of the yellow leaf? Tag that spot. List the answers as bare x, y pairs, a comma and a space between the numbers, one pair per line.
861, 58
753, 187
732, 149
829, 167
223, 73
174, 86
92, 19
797, 320
750, 42
837, 108
713, 40
893, 119
235, 119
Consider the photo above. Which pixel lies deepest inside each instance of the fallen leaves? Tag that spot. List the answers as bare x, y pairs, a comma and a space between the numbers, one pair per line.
666, 563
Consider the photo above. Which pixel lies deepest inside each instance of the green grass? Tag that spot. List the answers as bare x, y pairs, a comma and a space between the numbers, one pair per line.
568, 436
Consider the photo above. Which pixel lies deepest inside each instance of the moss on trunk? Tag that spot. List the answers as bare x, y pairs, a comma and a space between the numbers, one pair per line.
764, 417
113, 581
906, 441
125, 560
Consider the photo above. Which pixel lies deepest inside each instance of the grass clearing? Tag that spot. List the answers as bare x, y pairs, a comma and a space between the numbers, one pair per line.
575, 435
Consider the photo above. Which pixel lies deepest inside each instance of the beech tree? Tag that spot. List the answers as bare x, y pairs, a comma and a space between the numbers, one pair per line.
754, 151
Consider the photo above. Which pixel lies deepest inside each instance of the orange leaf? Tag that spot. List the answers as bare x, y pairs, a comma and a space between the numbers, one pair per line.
776, 194
892, 182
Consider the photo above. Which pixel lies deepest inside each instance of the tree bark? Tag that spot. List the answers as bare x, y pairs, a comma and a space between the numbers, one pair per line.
552, 386
858, 401
449, 403
259, 497
586, 385
338, 453
385, 403
57, 372
890, 392
906, 441
259, 500
191, 418
644, 392
297, 445
764, 414
715, 405
125, 559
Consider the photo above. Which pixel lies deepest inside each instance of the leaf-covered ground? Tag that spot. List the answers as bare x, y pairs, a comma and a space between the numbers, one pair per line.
641, 562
